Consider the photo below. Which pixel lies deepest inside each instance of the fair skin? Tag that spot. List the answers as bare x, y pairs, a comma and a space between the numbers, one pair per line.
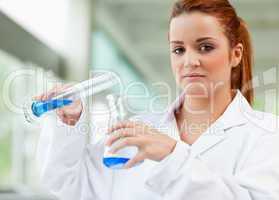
201, 60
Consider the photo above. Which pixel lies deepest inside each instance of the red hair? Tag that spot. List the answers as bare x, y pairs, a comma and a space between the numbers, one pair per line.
235, 30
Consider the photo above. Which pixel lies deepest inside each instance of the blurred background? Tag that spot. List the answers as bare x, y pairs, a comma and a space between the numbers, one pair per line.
42, 42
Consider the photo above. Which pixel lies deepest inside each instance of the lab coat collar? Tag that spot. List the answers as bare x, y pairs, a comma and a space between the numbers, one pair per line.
234, 114
216, 133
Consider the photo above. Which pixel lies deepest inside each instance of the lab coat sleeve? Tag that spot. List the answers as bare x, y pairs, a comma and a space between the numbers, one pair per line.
70, 167
178, 177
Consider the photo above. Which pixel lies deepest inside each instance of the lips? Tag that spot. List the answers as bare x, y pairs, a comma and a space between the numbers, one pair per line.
194, 75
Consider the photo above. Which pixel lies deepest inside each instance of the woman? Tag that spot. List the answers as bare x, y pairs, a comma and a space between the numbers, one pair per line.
209, 145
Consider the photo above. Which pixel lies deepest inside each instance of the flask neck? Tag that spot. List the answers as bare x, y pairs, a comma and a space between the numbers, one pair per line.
116, 109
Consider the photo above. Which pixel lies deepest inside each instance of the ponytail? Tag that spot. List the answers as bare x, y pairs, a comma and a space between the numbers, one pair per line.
241, 77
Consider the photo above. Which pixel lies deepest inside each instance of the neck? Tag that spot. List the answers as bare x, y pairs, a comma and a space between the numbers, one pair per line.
197, 113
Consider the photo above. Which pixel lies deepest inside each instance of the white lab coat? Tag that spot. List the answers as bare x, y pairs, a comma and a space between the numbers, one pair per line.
236, 158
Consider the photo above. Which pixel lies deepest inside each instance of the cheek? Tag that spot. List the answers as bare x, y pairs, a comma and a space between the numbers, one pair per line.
176, 65
217, 66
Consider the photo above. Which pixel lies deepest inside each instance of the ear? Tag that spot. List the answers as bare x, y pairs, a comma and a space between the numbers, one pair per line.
237, 53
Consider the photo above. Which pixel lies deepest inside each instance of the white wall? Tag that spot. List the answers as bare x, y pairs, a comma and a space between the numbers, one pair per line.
64, 25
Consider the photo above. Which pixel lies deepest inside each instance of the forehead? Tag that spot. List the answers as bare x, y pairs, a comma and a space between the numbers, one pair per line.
195, 25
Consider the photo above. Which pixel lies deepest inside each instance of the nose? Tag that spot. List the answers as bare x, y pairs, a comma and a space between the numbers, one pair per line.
191, 59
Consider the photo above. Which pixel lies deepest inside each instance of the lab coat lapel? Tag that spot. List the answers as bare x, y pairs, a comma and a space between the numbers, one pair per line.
219, 130
208, 140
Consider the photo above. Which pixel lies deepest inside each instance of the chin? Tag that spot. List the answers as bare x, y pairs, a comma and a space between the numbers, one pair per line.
196, 88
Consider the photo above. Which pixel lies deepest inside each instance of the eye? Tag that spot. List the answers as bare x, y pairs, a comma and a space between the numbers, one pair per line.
204, 48
178, 51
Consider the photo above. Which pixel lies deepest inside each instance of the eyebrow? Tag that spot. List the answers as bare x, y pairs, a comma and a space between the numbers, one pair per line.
203, 38
177, 42
198, 40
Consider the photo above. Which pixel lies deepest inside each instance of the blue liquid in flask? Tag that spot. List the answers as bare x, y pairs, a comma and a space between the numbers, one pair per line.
115, 162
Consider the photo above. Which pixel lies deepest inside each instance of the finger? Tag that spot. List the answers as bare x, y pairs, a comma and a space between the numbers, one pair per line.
49, 94
61, 115
121, 125
72, 111
37, 98
65, 118
122, 143
138, 158
54, 91
69, 121
121, 133
60, 112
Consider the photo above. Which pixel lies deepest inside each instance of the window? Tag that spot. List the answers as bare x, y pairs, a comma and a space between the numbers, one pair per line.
19, 82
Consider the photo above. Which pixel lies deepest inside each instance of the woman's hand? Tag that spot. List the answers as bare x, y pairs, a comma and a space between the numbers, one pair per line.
151, 143
68, 114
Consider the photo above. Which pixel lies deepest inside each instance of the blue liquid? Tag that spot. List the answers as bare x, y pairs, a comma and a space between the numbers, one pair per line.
41, 107
115, 162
